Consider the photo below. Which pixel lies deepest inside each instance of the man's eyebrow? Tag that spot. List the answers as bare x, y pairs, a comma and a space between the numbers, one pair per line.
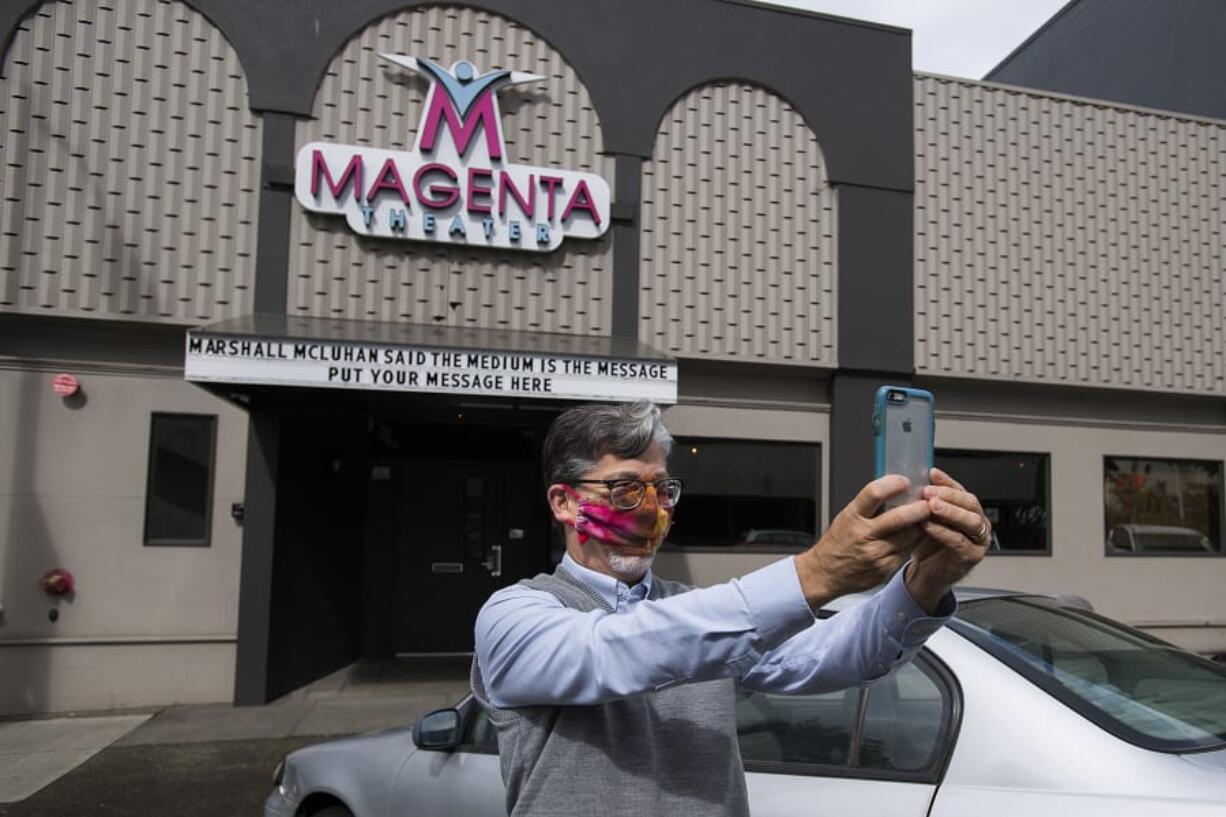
635, 475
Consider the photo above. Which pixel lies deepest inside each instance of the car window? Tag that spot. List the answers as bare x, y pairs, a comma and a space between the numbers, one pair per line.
904, 721
814, 729
1135, 686
479, 733
899, 727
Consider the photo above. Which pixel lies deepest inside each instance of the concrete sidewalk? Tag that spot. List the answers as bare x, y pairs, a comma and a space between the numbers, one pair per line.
35, 753
359, 698
362, 697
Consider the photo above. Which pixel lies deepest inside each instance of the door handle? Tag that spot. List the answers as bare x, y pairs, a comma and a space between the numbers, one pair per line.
493, 561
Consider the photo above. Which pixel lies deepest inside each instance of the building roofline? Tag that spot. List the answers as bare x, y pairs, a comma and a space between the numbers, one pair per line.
777, 5
1084, 100
1038, 32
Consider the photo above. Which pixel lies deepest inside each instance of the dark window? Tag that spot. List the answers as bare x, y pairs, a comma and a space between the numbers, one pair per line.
1160, 506
179, 493
748, 494
1013, 489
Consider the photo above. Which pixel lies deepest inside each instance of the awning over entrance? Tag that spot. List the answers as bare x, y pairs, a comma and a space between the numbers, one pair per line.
282, 350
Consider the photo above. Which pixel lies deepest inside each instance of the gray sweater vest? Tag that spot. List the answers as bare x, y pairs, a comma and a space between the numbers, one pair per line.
668, 752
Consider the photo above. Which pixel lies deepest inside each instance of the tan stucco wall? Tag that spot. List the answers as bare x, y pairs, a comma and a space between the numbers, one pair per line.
72, 495
89, 677
125, 131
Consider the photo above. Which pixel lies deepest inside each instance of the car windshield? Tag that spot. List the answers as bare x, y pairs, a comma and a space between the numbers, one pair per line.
1140, 688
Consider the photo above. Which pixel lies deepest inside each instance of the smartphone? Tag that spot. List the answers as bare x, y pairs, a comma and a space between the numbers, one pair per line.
903, 428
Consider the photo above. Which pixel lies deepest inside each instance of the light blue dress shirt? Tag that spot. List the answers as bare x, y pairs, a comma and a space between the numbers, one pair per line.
758, 629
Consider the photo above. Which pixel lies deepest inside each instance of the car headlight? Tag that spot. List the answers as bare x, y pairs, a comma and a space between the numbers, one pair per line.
278, 775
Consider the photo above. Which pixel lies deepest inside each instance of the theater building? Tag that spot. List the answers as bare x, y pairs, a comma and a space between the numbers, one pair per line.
290, 292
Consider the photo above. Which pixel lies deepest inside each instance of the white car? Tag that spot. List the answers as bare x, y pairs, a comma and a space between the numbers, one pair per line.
1133, 538
1023, 705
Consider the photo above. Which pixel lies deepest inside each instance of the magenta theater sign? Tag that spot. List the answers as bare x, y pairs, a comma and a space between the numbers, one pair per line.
456, 186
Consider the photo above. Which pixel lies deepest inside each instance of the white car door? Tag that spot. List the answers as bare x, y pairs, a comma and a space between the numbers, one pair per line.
877, 752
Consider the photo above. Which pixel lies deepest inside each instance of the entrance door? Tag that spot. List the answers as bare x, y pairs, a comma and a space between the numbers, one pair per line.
462, 530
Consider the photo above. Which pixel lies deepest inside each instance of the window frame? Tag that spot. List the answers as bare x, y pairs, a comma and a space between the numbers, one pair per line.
1047, 521
1220, 553
947, 739
682, 440
207, 540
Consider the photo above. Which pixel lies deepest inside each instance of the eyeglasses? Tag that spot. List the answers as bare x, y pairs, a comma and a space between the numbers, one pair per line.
627, 494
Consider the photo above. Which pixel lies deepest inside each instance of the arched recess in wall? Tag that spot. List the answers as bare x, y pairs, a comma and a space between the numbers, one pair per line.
129, 164
365, 100
738, 243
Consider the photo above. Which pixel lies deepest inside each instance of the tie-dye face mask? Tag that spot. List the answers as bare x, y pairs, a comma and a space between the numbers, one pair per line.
637, 532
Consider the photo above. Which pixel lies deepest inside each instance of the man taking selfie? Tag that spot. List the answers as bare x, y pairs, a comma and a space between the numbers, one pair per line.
613, 690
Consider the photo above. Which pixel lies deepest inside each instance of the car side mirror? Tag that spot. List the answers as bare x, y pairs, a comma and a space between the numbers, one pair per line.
437, 730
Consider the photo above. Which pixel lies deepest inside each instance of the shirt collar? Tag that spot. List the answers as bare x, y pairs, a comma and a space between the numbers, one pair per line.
607, 586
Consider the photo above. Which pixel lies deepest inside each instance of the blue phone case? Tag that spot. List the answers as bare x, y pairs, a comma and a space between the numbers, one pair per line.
880, 427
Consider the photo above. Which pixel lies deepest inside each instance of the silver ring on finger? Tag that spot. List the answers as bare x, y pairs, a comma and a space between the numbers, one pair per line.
981, 536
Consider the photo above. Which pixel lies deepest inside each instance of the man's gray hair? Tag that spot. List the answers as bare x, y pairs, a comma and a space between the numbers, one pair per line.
580, 436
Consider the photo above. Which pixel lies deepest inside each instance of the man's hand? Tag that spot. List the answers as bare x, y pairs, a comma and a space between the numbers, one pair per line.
859, 550
956, 538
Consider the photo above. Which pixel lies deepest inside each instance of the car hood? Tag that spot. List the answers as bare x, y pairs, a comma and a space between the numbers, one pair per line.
1214, 761
381, 738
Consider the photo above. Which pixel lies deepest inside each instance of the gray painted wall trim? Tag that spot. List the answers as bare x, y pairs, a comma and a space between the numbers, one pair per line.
876, 280
251, 675
706, 382
1073, 405
117, 641
626, 237
1078, 422
773, 405
276, 200
67, 364
107, 343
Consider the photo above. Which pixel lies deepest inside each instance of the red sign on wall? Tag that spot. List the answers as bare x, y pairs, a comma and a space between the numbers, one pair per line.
65, 385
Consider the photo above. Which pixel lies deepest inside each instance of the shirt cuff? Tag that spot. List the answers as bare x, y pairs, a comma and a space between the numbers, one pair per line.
775, 601
905, 621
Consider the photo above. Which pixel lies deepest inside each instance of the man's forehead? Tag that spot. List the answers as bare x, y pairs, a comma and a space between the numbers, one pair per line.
650, 462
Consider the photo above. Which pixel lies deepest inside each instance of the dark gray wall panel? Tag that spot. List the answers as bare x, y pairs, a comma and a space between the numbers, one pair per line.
637, 57
875, 280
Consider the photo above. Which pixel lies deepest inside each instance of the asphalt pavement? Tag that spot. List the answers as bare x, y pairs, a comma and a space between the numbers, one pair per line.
219, 760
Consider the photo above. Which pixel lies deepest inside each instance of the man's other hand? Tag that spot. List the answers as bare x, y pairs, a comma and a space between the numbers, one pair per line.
860, 550
956, 538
